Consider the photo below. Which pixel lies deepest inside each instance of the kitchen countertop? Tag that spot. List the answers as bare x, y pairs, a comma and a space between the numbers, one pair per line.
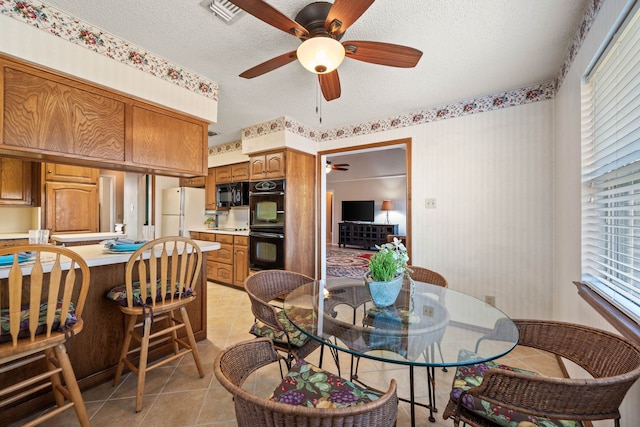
83, 237
96, 255
13, 236
222, 230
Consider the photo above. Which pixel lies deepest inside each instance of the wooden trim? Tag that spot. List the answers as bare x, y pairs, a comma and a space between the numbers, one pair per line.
627, 327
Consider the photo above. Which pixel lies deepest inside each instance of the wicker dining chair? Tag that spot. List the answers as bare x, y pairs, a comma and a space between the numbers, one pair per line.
613, 364
157, 292
41, 310
236, 363
265, 288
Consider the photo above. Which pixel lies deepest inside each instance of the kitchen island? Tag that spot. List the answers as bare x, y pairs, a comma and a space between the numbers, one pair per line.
94, 351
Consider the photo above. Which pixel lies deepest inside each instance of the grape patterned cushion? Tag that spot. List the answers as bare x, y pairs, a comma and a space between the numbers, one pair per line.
310, 386
297, 338
5, 334
470, 376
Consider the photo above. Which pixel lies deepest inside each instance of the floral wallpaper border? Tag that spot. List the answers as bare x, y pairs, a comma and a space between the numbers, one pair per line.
53, 21
75, 31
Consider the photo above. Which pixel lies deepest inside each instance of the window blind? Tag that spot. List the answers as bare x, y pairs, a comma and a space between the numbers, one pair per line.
611, 172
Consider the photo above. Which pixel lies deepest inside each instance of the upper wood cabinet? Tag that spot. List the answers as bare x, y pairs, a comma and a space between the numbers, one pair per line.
71, 208
67, 173
42, 113
193, 181
236, 172
52, 117
267, 166
16, 184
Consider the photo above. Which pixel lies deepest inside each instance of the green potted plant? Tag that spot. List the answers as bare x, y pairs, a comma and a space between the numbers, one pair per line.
386, 272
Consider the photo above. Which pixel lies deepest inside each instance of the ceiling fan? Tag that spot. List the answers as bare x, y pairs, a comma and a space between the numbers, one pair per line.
337, 167
319, 26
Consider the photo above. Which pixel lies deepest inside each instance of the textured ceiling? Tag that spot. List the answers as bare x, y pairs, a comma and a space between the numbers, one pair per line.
470, 48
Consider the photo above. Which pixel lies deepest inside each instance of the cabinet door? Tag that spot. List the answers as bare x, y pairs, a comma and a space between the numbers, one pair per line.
240, 261
210, 194
257, 168
71, 208
192, 181
43, 112
167, 141
275, 165
15, 182
240, 172
66, 173
223, 174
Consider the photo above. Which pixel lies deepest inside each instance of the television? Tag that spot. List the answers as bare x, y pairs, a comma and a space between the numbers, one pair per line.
358, 210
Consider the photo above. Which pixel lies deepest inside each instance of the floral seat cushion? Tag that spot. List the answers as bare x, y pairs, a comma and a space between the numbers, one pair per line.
5, 334
310, 386
119, 294
470, 376
297, 338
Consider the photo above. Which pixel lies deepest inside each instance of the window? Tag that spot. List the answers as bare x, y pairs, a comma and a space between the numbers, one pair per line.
611, 172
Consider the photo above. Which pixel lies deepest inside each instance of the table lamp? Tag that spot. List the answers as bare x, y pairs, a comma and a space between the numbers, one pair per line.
387, 205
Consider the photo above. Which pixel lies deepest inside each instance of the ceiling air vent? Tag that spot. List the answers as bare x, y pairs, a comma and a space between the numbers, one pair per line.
223, 9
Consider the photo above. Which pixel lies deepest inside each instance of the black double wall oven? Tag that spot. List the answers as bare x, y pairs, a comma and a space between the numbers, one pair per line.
266, 224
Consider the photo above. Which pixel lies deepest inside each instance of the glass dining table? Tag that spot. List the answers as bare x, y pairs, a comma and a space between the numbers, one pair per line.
427, 326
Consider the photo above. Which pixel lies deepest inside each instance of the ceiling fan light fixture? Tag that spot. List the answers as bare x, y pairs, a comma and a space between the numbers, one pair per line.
320, 55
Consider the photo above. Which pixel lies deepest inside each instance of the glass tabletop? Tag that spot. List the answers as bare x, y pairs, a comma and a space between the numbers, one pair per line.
428, 325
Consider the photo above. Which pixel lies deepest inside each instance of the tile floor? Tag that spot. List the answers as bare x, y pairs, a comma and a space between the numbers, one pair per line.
176, 396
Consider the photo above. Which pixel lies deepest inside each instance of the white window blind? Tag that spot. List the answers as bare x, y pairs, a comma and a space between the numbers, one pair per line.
611, 172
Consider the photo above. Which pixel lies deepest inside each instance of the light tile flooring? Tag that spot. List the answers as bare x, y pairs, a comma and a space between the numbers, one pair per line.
176, 396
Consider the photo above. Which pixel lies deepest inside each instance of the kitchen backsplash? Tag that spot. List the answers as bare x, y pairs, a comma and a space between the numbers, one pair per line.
19, 219
236, 217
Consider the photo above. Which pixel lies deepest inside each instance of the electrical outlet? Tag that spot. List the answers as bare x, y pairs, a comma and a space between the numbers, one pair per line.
490, 299
430, 203
427, 311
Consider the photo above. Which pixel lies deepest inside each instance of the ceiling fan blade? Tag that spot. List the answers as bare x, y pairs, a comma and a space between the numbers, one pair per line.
346, 12
393, 55
342, 164
272, 16
269, 65
330, 85
340, 169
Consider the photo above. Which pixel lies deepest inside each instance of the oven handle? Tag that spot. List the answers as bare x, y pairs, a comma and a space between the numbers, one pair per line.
271, 235
266, 193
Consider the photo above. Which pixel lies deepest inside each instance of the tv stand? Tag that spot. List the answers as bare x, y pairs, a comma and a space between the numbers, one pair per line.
363, 235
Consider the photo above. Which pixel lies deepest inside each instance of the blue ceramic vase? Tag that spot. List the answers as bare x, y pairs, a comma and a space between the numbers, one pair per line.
383, 294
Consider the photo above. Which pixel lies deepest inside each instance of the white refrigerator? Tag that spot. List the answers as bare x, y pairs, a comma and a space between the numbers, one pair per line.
182, 210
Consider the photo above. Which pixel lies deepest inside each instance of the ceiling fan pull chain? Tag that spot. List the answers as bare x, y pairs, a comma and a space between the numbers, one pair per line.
318, 104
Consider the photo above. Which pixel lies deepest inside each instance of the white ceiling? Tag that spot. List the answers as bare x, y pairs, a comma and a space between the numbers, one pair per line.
470, 48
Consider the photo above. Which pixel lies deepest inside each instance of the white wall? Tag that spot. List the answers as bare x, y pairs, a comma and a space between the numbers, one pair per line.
567, 216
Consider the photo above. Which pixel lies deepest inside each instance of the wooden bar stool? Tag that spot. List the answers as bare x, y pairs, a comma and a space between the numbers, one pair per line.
156, 291
41, 311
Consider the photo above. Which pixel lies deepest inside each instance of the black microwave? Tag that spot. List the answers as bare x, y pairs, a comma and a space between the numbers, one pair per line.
232, 194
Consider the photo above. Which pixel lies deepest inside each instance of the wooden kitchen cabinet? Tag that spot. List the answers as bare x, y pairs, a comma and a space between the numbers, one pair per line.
71, 208
66, 173
240, 260
193, 181
16, 184
53, 117
267, 166
236, 172
211, 194
71, 198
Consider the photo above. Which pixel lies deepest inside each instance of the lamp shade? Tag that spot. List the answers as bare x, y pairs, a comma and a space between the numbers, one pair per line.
320, 55
387, 205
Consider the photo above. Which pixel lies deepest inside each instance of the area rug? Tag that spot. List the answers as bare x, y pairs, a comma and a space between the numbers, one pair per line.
347, 263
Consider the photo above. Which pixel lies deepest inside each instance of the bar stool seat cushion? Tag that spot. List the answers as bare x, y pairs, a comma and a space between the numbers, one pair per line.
5, 334
313, 387
119, 294
470, 376
296, 337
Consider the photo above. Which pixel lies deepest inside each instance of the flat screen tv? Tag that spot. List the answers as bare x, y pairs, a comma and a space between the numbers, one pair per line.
358, 210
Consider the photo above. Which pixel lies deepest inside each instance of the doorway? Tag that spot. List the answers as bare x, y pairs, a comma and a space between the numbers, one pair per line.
382, 171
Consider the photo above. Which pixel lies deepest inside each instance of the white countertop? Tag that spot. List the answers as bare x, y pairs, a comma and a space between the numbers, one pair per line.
96, 255
84, 237
230, 230
12, 236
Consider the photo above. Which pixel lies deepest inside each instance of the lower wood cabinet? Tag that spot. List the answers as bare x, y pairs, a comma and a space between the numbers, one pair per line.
229, 264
